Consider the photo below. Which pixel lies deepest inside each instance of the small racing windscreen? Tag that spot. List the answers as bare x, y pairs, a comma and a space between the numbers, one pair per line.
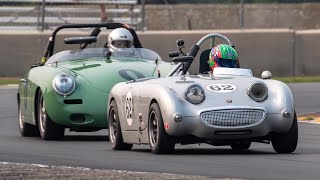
101, 53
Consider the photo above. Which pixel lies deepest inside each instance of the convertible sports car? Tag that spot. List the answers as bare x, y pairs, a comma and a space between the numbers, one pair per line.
70, 90
229, 107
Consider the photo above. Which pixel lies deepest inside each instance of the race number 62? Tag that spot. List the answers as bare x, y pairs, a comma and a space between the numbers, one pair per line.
221, 88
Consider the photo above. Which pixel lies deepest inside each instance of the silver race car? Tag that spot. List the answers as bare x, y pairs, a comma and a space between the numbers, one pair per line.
226, 107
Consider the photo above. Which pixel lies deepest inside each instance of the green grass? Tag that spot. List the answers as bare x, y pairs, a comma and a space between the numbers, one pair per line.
13, 80
9, 80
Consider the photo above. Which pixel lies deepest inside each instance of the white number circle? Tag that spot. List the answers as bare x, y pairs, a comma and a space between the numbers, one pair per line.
129, 108
221, 88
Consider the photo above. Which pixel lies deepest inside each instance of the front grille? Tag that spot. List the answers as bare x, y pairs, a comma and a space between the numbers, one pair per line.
232, 117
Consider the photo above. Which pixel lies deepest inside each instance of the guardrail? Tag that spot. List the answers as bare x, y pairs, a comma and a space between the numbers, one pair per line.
47, 14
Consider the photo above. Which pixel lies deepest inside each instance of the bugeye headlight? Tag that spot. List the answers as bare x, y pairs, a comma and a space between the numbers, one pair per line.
194, 94
258, 91
63, 84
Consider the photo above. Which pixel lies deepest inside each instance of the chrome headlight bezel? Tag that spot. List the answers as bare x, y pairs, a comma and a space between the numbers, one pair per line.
253, 86
59, 89
200, 96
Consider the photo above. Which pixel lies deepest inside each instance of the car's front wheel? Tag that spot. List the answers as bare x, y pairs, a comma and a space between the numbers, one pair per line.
286, 143
160, 141
115, 135
47, 128
26, 130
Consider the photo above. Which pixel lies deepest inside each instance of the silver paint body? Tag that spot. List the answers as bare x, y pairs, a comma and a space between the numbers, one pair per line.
168, 92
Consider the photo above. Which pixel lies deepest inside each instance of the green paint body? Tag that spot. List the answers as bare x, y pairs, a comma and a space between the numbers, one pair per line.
94, 79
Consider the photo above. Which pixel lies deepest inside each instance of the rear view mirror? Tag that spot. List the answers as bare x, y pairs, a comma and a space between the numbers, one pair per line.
180, 42
183, 59
80, 40
174, 54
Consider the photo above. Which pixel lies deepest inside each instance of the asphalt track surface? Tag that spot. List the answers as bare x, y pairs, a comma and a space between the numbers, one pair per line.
92, 150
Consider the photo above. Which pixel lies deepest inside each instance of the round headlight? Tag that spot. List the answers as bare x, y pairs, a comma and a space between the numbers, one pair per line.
258, 91
194, 94
63, 84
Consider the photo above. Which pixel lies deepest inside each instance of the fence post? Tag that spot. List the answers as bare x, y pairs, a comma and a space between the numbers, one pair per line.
142, 15
294, 55
43, 14
241, 14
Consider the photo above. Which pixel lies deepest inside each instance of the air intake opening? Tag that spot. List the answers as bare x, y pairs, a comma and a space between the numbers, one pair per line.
73, 101
243, 132
78, 118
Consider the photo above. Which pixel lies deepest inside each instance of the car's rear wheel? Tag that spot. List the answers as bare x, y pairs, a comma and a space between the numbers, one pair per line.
115, 134
26, 130
160, 141
286, 143
47, 128
240, 146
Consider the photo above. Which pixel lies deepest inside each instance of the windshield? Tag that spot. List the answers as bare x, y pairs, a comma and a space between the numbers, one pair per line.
136, 53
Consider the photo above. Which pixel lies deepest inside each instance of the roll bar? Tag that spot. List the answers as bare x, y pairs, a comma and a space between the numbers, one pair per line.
194, 51
50, 46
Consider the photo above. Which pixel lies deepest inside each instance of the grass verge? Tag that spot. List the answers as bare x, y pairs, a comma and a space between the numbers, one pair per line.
9, 80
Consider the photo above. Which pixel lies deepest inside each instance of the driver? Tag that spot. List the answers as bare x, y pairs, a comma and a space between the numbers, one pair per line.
120, 42
223, 55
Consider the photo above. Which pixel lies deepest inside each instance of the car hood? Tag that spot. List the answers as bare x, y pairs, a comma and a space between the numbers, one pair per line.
104, 74
278, 93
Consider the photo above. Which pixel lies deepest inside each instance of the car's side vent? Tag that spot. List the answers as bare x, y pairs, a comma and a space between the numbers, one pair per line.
73, 101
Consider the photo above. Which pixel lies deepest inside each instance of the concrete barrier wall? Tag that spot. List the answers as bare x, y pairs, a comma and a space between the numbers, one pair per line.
227, 16
307, 52
284, 52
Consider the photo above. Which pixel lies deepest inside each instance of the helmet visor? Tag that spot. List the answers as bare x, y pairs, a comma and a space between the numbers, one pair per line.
227, 63
122, 44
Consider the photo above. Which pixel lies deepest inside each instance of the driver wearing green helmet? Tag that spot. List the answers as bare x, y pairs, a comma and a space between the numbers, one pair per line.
223, 55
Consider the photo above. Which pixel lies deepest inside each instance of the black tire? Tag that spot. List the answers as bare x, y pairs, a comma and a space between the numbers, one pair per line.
160, 141
114, 128
26, 129
241, 146
47, 128
286, 143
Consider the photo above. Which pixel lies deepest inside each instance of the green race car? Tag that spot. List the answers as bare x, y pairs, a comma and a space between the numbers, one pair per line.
70, 89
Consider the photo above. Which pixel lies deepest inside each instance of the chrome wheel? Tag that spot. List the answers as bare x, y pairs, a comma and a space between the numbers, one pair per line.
26, 130
115, 134
113, 126
42, 115
20, 117
49, 130
153, 128
160, 142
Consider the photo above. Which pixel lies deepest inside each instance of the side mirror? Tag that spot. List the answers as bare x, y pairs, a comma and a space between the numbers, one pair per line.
266, 75
36, 65
183, 59
80, 40
174, 54
180, 42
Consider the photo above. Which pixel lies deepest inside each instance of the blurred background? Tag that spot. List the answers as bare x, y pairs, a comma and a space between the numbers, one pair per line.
282, 36
162, 14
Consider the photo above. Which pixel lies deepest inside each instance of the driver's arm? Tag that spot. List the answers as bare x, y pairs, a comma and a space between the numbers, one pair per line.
136, 41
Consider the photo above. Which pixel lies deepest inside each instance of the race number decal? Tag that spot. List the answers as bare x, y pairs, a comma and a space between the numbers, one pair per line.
129, 108
129, 74
221, 88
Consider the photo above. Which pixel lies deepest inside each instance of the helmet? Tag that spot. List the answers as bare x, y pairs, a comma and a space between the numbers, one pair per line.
120, 40
223, 55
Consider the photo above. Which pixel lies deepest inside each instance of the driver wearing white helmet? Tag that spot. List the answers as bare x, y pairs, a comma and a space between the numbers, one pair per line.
120, 42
